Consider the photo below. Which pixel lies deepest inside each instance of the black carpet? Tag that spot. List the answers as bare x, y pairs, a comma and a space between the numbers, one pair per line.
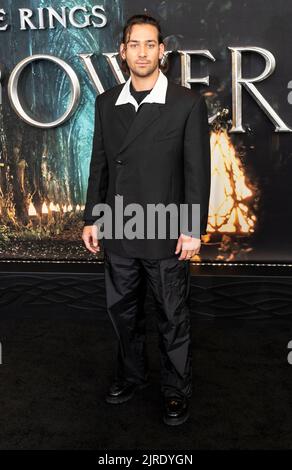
58, 362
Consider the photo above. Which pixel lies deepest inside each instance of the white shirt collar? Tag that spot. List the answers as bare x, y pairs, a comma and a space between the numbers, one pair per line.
156, 95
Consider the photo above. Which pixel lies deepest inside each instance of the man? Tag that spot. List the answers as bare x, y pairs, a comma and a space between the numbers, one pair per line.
151, 145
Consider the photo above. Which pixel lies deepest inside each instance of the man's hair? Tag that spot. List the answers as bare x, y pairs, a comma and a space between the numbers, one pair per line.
141, 19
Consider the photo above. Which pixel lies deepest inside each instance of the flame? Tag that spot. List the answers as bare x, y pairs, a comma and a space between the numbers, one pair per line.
65, 208
45, 208
230, 194
69, 208
77, 208
54, 208
31, 210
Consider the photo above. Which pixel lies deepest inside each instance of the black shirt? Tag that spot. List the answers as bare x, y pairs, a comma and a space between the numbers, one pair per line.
138, 95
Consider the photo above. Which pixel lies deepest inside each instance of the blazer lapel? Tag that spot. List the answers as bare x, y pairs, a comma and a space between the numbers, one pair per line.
125, 114
147, 115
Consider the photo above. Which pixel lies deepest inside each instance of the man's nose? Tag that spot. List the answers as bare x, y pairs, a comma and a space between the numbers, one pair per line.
142, 51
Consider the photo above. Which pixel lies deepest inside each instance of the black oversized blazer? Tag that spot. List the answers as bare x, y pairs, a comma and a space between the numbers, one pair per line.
159, 154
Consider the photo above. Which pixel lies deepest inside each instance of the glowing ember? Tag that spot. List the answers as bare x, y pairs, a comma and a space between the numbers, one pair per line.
230, 195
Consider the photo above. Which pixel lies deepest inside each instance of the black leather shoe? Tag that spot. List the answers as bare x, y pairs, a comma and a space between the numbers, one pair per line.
176, 410
122, 391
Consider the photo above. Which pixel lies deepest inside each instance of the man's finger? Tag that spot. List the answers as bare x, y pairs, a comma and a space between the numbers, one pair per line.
178, 246
95, 242
89, 247
183, 254
87, 243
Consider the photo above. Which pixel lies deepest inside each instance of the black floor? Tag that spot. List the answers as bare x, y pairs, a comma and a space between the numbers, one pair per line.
57, 363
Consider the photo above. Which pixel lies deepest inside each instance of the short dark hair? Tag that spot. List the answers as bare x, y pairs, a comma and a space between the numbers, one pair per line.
141, 19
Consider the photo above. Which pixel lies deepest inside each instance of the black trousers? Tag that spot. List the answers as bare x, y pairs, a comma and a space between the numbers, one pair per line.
126, 281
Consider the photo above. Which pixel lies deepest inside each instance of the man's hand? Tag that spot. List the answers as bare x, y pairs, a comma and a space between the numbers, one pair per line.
89, 236
190, 246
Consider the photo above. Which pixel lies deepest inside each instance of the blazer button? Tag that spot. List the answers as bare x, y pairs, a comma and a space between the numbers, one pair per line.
120, 162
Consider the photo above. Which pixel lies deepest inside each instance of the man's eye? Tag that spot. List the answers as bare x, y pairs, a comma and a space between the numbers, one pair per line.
151, 45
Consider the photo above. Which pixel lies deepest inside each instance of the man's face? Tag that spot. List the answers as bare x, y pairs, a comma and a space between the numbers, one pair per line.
142, 50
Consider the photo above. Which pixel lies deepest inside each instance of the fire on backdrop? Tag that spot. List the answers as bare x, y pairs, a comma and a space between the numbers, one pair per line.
233, 198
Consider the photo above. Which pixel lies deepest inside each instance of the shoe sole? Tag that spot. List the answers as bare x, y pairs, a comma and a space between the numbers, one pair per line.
118, 400
175, 421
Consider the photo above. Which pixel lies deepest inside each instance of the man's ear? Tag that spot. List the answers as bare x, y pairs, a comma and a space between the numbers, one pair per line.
122, 51
161, 50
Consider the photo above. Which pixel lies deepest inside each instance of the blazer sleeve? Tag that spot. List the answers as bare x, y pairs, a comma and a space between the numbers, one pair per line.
98, 170
197, 165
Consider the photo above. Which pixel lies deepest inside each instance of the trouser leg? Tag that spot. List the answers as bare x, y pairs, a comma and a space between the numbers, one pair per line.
170, 282
125, 294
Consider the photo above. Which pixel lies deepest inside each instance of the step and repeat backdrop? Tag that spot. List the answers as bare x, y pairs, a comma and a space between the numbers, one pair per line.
55, 57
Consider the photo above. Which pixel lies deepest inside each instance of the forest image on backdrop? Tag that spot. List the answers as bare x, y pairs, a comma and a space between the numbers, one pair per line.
44, 172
